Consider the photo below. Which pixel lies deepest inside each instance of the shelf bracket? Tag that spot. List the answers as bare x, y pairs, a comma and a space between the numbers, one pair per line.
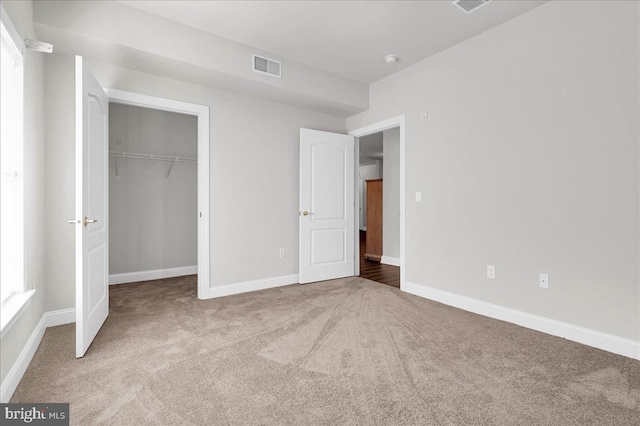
170, 167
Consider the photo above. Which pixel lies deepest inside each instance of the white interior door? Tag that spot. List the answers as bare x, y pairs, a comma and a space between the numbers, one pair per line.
326, 206
92, 192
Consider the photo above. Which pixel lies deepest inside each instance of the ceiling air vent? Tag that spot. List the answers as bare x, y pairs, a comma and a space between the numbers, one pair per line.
266, 66
470, 5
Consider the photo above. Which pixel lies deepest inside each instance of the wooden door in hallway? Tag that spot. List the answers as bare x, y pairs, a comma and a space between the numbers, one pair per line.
373, 250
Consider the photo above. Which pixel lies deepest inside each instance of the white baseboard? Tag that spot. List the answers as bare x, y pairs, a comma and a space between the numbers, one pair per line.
388, 260
61, 317
247, 286
607, 342
48, 319
10, 382
156, 274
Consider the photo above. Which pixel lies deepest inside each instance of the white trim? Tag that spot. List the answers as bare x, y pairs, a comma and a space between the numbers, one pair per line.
204, 202
13, 377
10, 382
607, 342
156, 274
388, 260
60, 317
398, 121
12, 308
247, 286
11, 30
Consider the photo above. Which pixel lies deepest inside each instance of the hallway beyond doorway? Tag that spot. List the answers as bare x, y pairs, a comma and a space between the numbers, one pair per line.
376, 271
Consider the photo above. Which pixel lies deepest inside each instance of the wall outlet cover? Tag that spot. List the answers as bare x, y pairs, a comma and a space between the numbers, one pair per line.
544, 280
491, 272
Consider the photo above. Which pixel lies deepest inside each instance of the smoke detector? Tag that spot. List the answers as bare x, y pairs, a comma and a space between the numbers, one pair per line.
391, 59
470, 5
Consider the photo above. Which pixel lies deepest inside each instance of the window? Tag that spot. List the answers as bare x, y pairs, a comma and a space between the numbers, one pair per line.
12, 285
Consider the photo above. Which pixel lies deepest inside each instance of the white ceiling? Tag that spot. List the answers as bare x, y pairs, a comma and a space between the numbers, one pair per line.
347, 38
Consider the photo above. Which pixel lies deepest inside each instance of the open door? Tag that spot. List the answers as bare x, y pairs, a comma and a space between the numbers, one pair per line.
326, 206
92, 192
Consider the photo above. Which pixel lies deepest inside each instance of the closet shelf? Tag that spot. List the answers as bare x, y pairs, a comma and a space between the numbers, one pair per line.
139, 156
152, 157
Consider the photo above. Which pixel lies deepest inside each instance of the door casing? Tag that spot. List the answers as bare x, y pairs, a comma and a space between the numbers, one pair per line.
204, 203
398, 121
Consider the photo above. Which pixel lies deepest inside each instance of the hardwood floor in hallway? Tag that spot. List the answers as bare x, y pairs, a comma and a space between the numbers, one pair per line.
376, 271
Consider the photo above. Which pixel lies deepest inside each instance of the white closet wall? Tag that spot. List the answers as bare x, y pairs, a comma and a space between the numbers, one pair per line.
153, 223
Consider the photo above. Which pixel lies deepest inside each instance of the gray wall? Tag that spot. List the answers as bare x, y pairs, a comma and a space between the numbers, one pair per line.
391, 193
166, 47
60, 181
152, 220
529, 162
254, 175
15, 338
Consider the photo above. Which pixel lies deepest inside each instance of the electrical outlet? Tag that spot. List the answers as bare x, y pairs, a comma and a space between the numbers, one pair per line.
544, 280
283, 253
491, 272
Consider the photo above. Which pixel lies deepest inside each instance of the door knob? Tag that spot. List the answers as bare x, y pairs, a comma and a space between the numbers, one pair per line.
86, 221
306, 213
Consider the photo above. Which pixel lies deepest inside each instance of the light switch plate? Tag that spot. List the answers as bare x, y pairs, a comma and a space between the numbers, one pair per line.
418, 196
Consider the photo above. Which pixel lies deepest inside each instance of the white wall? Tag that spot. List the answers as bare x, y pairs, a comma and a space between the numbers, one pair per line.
254, 175
391, 193
370, 171
152, 219
15, 338
529, 162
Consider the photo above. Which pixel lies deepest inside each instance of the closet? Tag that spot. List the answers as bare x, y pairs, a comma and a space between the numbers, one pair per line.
152, 193
373, 250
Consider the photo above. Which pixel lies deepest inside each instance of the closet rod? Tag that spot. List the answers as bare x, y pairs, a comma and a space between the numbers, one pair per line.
152, 157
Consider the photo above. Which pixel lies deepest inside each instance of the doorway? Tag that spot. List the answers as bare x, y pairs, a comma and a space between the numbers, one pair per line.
379, 209
387, 265
152, 194
173, 168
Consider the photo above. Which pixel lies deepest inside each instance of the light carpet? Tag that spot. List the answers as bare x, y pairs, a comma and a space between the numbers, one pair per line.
347, 351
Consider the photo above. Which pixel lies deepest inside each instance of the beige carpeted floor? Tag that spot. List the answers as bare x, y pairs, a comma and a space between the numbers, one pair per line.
347, 351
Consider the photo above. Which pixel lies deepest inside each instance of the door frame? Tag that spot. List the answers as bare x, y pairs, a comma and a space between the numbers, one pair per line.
398, 121
204, 193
